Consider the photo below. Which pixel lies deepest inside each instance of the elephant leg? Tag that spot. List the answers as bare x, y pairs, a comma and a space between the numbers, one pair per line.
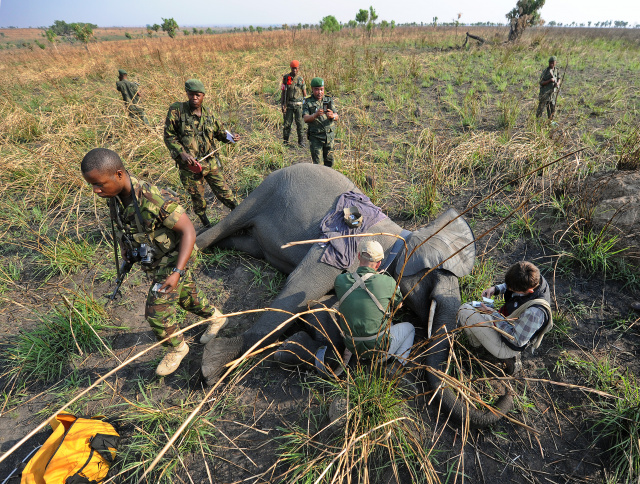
310, 280
243, 243
297, 350
240, 218
446, 293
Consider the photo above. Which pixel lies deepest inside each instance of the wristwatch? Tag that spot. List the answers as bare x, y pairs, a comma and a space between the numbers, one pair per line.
179, 271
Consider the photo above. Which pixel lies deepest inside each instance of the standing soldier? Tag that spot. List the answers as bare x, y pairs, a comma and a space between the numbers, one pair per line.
131, 96
189, 133
319, 112
293, 93
548, 87
153, 229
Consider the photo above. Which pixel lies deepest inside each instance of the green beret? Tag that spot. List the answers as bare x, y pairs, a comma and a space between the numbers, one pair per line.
194, 85
317, 82
552, 59
122, 72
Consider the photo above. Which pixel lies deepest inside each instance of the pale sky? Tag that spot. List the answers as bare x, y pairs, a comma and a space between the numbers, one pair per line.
130, 13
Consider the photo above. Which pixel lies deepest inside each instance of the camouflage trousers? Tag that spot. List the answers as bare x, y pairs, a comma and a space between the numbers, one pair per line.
293, 112
321, 148
136, 112
194, 184
547, 102
160, 309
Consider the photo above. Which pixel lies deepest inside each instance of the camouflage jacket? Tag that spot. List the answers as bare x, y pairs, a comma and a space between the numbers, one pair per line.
546, 91
129, 91
292, 89
323, 126
183, 130
160, 211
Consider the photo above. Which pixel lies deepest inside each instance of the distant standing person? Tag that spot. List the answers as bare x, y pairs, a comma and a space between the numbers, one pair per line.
319, 112
548, 87
131, 96
190, 131
293, 93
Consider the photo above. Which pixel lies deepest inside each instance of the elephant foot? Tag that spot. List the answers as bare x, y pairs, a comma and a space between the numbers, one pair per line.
337, 420
217, 353
297, 350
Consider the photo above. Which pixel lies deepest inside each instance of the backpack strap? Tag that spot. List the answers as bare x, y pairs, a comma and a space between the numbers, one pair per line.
536, 339
360, 282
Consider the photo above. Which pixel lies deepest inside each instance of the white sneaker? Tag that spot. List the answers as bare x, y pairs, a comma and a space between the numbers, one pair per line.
214, 327
172, 359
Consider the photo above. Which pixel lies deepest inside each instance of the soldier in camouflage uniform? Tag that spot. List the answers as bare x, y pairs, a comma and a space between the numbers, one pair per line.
145, 216
293, 94
131, 96
548, 88
321, 122
190, 131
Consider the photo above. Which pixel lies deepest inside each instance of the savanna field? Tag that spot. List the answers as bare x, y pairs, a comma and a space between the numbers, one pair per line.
424, 125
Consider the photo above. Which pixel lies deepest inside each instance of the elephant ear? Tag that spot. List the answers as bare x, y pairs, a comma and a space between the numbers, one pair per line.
446, 235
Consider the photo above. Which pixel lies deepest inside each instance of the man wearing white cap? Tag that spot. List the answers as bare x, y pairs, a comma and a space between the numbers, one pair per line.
365, 300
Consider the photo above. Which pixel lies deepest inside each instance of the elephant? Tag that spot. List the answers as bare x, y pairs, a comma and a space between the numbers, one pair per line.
289, 205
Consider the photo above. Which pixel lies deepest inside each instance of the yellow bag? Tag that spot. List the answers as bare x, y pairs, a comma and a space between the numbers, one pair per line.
79, 451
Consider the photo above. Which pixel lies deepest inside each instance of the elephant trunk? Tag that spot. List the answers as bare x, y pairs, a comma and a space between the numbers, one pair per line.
445, 292
459, 410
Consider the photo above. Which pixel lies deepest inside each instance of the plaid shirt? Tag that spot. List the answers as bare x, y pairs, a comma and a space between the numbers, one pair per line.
523, 328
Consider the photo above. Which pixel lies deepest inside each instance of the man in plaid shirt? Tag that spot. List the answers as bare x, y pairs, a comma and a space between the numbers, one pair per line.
524, 318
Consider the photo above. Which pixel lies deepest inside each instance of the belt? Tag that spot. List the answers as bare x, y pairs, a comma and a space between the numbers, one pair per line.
294, 103
366, 338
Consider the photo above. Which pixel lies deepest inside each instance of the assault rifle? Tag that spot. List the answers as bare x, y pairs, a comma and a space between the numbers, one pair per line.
123, 270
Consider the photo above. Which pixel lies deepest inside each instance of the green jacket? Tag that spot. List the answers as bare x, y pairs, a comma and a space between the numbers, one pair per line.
129, 91
323, 127
363, 317
160, 211
548, 90
196, 135
292, 93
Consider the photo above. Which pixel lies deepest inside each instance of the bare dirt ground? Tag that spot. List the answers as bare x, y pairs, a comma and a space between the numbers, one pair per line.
560, 449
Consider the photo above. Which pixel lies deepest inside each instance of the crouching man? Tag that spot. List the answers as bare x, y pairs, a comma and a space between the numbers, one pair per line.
523, 320
152, 228
365, 296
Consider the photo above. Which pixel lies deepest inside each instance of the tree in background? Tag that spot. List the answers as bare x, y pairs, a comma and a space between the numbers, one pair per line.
155, 28
329, 24
169, 25
84, 33
373, 16
185, 32
525, 14
128, 35
51, 37
362, 16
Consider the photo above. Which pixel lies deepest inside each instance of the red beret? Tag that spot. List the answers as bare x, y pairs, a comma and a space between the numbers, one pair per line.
294, 63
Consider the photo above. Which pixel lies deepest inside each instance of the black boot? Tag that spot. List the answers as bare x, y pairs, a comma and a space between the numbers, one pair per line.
205, 220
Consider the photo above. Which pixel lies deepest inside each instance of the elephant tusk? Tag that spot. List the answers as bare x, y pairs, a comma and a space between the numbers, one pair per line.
432, 312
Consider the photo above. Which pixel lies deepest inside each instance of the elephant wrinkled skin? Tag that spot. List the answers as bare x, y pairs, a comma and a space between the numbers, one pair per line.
289, 206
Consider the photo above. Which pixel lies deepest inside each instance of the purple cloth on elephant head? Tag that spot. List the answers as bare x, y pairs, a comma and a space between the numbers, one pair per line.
341, 253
